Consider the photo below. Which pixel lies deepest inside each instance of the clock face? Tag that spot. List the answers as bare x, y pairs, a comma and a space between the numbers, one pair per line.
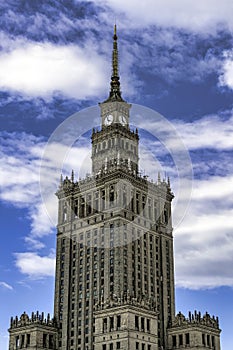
108, 119
122, 120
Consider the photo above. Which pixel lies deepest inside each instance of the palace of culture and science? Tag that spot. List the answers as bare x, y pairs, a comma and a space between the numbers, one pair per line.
114, 284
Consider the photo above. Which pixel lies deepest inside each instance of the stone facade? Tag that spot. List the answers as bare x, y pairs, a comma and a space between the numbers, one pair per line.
194, 332
114, 234
33, 333
126, 323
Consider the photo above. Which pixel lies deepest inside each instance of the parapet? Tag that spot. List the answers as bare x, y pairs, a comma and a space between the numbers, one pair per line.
36, 318
196, 318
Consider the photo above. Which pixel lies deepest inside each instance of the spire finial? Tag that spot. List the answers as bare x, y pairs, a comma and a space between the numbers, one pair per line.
115, 92
115, 57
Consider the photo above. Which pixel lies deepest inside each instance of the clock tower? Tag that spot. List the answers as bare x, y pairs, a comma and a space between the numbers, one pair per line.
115, 143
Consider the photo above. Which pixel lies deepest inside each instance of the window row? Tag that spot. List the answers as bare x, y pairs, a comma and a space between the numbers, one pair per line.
22, 341
111, 346
142, 346
181, 339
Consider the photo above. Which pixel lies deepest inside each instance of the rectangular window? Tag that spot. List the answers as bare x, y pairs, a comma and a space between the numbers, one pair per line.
22, 341
111, 323
103, 199
148, 325
137, 345
137, 203
44, 340
180, 339
174, 341
187, 340
76, 208
118, 345
136, 322
213, 341
51, 341
105, 320
203, 339
28, 339
111, 194
142, 324
118, 321
17, 342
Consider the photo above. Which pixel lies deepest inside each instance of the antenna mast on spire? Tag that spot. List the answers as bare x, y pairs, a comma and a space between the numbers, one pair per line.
115, 92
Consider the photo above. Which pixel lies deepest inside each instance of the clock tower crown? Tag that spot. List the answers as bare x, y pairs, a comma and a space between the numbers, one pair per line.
115, 144
115, 109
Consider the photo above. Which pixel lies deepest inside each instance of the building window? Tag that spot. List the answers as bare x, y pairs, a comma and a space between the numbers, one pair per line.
137, 345
118, 321
118, 345
22, 341
17, 342
44, 340
137, 203
187, 340
111, 323
64, 213
104, 347
105, 322
213, 341
142, 324
174, 341
136, 323
111, 195
181, 339
28, 339
148, 325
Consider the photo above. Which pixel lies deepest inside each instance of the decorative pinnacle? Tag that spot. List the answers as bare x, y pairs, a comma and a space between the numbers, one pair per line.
115, 93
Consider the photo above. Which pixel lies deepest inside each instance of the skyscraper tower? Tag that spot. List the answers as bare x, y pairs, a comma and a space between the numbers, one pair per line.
114, 243
114, 283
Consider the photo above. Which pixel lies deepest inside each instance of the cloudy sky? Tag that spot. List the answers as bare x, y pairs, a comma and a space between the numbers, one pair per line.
176, 58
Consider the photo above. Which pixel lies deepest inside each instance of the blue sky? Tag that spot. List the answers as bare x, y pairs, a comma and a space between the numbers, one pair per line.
176, 57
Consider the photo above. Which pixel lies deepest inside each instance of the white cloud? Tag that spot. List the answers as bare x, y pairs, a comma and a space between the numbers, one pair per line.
226, 78
211, 131
34, 243
213, 189
6, 285
173, 55
41, 69
204, 236
34, 265
191, 15
204, 240
24, 178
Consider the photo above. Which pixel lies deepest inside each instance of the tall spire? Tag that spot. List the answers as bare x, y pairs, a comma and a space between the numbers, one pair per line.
115, 92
